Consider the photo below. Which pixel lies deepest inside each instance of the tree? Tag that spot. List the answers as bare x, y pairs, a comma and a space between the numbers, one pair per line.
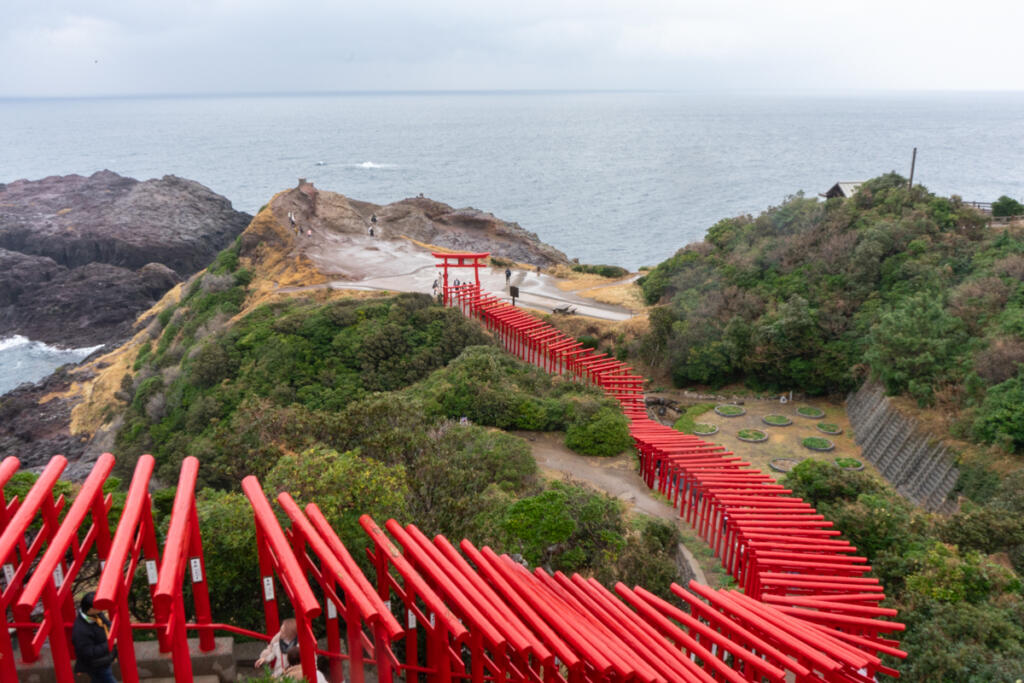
1001, 416
344, 486
229, 552
915, 345
537, 524
606, 433
1007, 206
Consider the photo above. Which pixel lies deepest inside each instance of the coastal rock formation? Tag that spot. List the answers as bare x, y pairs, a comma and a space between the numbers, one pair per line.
418, 218
34, 429
81, 257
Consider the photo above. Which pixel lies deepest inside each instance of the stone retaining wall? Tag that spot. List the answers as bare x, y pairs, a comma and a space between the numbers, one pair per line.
917, 465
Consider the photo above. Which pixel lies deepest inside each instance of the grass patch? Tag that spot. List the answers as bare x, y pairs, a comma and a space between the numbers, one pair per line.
752, 434
816, 443
777, 420
704, 428
849, 462
687, 421
808, 411
829, 427
729, 410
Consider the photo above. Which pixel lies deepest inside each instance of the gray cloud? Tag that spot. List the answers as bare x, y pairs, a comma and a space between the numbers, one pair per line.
105, 47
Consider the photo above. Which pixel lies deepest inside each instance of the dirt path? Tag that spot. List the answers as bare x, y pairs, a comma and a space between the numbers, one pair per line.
615, 476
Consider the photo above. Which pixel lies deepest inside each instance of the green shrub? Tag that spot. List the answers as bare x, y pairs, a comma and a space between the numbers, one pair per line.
819, 482
602, 270
344, 486
605, 433
1000, 419
1007, 206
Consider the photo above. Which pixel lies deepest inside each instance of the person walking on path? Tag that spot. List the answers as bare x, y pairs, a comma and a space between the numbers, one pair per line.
90, 638
275, 653
508, 276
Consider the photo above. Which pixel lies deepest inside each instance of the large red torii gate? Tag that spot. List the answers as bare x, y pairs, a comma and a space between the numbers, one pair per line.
459, 259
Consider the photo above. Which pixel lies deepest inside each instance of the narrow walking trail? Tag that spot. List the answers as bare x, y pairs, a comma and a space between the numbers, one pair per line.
615, 476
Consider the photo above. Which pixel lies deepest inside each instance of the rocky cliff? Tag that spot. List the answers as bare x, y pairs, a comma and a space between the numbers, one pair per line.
81, 257
420, 218
76, 411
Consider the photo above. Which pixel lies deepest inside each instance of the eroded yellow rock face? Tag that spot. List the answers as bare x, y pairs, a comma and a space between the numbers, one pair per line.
95, 395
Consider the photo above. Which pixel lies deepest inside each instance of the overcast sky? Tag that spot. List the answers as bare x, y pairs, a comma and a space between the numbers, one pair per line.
103, 47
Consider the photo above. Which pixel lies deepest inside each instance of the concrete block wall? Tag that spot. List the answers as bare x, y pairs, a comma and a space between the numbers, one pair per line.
918, 466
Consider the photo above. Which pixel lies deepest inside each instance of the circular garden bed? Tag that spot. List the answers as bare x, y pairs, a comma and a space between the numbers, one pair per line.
729, 410
829, 428
752, 435
777, 420
808, 411
784, 464
849, 464
816, 443
704, 429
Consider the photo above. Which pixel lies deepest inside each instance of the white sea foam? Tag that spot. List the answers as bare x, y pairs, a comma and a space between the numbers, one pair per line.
373, 164
24, 360
12, 342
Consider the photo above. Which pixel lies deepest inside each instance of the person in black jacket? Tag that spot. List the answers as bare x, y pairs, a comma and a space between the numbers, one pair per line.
89, 636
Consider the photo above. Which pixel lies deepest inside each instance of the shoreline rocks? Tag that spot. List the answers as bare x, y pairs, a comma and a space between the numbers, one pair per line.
81, 257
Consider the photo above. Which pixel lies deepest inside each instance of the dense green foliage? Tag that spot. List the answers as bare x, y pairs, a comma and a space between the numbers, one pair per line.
1007, 206
964, 612
280, 363
357, 406
606, 433
490, 387
913, 288
601, 269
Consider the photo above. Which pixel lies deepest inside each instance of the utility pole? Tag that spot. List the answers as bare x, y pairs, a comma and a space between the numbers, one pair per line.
913, 160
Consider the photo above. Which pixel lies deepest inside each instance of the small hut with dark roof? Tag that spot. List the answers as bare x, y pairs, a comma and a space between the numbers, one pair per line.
843, 189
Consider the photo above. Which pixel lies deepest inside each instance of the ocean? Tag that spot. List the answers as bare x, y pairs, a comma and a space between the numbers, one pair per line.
624, 178
24, 360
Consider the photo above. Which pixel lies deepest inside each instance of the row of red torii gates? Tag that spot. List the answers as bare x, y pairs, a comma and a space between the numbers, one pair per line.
806, 611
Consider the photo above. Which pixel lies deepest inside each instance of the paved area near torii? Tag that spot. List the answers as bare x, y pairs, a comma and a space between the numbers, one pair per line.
366, 263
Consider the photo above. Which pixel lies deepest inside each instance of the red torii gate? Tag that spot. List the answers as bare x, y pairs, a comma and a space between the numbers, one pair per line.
479, 615
723, 501
473, 260
808, 612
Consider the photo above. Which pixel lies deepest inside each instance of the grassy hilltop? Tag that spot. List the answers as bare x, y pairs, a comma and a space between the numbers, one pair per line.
920, 293
354, 400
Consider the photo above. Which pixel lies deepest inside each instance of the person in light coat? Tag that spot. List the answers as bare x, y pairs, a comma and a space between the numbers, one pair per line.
275, 654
